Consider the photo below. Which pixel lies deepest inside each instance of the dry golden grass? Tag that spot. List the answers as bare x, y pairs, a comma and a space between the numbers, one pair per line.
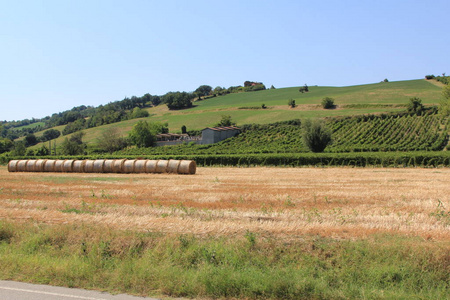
285, 202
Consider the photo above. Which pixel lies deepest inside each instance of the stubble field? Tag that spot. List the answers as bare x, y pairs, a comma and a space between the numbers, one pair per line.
283, 202
232, 233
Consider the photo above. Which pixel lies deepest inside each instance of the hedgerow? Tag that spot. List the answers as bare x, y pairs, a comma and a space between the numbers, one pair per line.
362, 159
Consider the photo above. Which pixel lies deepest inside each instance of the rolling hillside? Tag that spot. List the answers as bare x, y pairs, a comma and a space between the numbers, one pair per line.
353, 100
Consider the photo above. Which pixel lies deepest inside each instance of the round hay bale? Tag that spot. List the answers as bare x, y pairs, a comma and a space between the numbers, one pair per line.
128, 166
98, 165
49, 165
150, 166
108, 166
31, 165
139, 166
173, 166
161, 166
68, 166
118, 165
39, 165
12, 165
22, 166
187, 167
78, 166
59, 165
89, 166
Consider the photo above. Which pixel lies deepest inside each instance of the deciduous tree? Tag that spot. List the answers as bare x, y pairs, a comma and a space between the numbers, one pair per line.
316, 135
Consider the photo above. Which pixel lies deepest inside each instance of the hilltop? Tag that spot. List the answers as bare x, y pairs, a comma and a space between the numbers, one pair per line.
247, 107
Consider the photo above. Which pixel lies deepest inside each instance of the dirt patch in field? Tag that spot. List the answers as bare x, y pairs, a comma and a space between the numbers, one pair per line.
336, 202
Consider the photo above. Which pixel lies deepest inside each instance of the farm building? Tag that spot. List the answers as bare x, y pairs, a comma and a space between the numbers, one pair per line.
171, 139
213, 135
210, 135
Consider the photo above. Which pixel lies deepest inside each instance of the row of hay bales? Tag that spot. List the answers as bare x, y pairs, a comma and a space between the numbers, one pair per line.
104, 166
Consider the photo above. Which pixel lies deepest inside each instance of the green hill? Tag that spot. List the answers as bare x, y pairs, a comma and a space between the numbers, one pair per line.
245, 108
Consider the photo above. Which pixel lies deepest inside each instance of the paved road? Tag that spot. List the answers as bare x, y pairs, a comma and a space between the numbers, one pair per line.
11, 290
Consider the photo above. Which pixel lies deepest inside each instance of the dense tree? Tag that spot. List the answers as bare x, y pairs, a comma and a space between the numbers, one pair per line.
6, 145
141, 135
19, 149
415, 106
50, 135
110, 140
71, 127
138, 113
203, 90
43, 151
226, 121
218, 90
178, 100
30, 140
156, 100
316, 135
73, 145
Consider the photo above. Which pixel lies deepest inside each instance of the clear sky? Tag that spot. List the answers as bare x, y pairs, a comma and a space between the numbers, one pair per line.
57, 54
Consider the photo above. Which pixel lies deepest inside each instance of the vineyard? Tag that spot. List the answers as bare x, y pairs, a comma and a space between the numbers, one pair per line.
371, 133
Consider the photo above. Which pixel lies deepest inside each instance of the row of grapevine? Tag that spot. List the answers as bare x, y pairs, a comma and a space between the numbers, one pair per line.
380, 159
350, 134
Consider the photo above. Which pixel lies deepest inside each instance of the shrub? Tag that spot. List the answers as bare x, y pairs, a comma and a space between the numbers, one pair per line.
303, 89
316, 135
328, 103
415, 106
428, 77
291, 103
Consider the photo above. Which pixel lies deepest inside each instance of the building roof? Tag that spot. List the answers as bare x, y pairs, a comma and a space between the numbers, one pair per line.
171, 135
223, 128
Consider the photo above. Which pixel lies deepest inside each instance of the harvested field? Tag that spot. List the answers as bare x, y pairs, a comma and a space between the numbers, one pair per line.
340, 203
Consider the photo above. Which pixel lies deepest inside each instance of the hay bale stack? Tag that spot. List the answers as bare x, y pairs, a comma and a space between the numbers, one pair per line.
139, 166
21, 166
108, 166
59, 165
12, 165
172, 166
161, 166
39, 166
118, 165
31, 164
128, 166
49, 165
68, 166
98, 165
104, 166
78, 166
89, 166
187, 167
150, 166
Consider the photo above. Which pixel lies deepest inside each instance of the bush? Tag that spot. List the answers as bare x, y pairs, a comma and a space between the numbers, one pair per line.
428, 77
415, 106
291, 103
316, 135
328, 103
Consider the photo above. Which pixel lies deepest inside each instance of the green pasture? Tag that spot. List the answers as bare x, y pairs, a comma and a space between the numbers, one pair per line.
352, 100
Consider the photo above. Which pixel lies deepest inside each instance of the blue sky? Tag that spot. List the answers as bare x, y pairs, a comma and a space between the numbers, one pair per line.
55, 54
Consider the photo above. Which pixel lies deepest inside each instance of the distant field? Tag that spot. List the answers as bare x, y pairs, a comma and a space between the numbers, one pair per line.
352, 100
